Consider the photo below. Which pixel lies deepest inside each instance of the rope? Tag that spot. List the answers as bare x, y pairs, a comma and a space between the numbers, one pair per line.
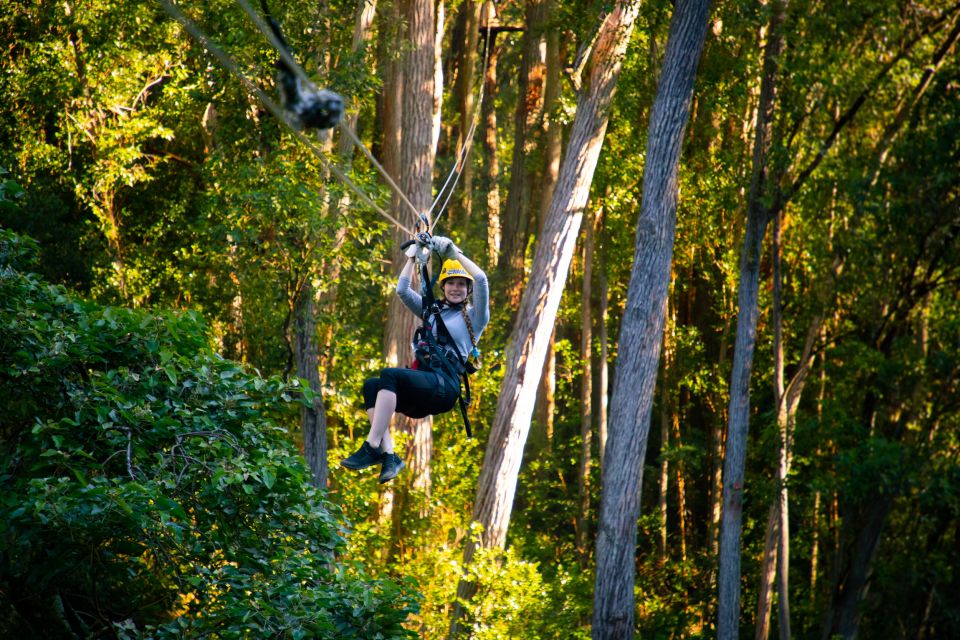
273, 107
467, 143
302, 76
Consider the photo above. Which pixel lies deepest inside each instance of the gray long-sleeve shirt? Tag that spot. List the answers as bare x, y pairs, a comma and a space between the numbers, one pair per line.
478, 312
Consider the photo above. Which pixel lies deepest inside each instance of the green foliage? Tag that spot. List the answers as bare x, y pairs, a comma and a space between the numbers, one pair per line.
147, 485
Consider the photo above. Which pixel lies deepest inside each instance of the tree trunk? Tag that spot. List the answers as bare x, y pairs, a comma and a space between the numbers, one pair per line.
312, 418
553, 131
604, 364
546, 399
465, 97
538, 309
529, 109
783, 426
439, 20
641, 330
851, 588
681, 484
664, 484
416, 180
492, 172
586, 399
739, 408
768, 575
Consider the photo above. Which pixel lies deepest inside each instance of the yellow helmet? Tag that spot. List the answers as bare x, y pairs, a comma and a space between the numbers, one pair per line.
453, 269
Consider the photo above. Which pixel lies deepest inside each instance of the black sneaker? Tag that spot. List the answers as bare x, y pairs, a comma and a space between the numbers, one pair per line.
392, 464
365, 456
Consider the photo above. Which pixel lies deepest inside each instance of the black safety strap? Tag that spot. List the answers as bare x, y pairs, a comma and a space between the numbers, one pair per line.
464, 402
430, 307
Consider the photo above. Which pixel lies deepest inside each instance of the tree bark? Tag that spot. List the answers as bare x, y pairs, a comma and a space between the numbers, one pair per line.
768, 575
538, 308
604, 364
783, 426
739, 408
528, 112
586, 399
312, 418
492, 172
641, 330
416, 179
465, 98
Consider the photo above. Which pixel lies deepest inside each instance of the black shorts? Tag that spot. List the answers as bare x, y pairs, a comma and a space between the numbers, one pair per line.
419, 393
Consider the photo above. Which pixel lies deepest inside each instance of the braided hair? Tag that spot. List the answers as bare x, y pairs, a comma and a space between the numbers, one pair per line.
466, 319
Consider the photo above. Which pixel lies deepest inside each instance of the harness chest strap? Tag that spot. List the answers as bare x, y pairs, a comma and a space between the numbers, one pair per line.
436, 359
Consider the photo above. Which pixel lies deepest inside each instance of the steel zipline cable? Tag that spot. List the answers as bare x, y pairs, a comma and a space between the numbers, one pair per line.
228, 63
467, 142
273, 107
302, 76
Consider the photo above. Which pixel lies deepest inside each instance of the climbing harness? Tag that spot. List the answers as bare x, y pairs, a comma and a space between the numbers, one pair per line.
433, 346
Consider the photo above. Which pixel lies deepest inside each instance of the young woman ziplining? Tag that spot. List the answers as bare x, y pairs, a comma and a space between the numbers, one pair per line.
442, 345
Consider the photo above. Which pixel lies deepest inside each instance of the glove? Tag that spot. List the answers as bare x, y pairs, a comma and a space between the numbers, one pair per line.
445, 247
409, 248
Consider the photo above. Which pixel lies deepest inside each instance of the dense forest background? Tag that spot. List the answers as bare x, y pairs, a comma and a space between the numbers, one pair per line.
190, 301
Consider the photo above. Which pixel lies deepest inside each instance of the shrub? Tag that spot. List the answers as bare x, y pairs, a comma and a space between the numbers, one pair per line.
147, 487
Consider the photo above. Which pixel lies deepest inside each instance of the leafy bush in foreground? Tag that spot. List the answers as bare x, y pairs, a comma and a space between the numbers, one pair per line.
147, 491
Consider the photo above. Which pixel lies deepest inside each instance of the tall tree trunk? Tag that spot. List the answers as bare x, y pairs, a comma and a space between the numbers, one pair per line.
777, 526
538, 308
545, 407
641, 330
465, 97
851, 588
739, 408
552, 135
604, 365
529, 109
417, 153
664, 484
439, 22
783, 426
492, 163
586, 398
553, 131
312, 418
768, 575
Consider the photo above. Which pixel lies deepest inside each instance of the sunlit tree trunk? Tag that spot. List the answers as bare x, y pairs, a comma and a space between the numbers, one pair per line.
551, 148
641, 330
768, 575
783, 427
553, 131
417, 155
546, 399
586, 397
664, 484
400, 323
739, 407
439, 25
465, 91
492, 163
528, 112
603, 368
538, 309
